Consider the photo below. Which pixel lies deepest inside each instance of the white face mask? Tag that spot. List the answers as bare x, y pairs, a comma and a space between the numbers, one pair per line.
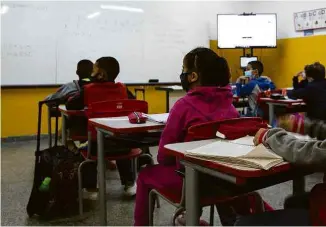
248, 73
310, 79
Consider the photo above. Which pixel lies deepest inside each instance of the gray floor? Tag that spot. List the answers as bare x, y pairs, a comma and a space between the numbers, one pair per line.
17, 163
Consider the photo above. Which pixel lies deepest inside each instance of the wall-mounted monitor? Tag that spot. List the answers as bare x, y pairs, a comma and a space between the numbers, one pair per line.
246, 30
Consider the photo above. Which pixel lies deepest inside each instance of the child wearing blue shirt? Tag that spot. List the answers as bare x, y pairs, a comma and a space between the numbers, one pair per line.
252, 84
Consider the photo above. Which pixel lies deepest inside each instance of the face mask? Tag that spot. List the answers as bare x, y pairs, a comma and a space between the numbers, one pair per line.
248, 73
184, 81
303, 75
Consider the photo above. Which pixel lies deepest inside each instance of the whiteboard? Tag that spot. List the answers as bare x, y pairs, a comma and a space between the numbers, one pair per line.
43, 41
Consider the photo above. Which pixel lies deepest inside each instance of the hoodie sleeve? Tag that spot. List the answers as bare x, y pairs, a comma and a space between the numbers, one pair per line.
173, 132
62, 92
315, 129
295, 150
301, 93
245, 90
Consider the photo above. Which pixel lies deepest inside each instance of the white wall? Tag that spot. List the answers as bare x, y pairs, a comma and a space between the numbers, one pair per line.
285, 10
210, 9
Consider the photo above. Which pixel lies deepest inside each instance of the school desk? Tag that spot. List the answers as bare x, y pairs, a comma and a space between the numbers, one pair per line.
287, 103
64, 115
172, 94
114, 127
237, 180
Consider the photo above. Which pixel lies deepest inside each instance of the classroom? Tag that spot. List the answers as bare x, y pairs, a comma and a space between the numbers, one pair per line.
165, 113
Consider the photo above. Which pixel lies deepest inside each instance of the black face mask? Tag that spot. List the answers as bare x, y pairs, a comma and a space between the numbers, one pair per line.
184, 81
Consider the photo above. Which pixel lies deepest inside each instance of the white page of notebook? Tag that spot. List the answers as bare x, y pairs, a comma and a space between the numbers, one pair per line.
247, 140
223, 149
162, 118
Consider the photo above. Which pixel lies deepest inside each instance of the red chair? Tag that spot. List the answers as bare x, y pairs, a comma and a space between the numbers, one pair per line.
93, 93
208, 131
109, 109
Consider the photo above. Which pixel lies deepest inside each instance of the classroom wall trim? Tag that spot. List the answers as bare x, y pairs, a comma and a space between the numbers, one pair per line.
19, 108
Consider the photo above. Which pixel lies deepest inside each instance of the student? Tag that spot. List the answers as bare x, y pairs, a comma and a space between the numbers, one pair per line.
314, 94
252, 84
306, 209
205, 76
84, 71
106, 70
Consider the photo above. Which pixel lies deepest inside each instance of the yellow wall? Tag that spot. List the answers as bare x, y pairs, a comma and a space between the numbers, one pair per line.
283, 62
19, 109
19, 106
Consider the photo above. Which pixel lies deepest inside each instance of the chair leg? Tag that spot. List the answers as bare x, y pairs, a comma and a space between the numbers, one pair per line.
80, 189
80, 185
259, 202
151, 197
211, 216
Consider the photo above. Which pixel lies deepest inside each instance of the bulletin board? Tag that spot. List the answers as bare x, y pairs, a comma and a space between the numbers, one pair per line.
312, 19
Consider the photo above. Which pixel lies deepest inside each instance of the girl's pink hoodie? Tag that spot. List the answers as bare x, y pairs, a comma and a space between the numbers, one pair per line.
199, 105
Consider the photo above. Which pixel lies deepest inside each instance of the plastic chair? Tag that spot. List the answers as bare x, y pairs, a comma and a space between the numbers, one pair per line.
208, 131
93, 93
111, 109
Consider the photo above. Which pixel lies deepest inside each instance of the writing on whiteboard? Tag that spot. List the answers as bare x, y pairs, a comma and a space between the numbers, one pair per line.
16, 50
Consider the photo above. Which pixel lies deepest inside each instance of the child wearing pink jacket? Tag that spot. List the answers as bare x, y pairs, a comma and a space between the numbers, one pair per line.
205, 76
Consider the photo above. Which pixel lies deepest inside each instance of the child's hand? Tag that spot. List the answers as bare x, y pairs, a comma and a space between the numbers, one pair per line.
260, 136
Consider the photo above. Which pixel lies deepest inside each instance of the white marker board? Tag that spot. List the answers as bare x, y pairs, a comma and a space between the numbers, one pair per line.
43, 41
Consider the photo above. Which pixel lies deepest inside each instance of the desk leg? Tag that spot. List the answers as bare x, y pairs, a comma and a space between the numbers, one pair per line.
192, 197
63, 130
49, 127
101, 170
167, 97
298, 185
271, 113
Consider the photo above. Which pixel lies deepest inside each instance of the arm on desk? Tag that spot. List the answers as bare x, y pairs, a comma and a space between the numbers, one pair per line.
296, 150
300, 93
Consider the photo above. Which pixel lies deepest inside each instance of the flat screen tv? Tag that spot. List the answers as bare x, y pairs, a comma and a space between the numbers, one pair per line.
246, 30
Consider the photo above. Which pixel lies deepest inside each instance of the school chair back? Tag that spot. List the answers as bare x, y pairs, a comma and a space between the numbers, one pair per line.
231, 128
115, 108
99, 92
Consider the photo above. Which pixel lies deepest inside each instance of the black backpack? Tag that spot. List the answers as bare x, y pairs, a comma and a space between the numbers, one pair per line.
61, 165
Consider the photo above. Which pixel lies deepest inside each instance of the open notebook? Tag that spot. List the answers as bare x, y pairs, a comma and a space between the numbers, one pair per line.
159, 118
240, 152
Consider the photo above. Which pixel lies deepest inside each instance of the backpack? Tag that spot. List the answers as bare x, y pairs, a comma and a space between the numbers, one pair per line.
60, 165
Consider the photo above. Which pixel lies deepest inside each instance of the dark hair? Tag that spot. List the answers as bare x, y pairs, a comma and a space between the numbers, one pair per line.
257, 65
212, 69
84, 68
315, 71
110, 66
